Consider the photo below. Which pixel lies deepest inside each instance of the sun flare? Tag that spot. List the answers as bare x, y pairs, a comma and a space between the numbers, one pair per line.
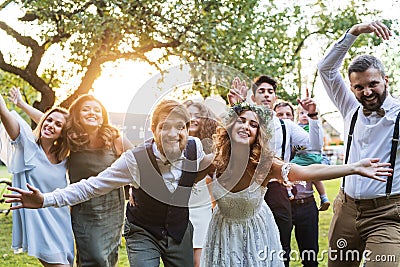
119, 82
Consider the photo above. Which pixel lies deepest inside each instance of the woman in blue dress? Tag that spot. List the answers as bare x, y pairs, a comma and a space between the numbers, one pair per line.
38, 158
94, 145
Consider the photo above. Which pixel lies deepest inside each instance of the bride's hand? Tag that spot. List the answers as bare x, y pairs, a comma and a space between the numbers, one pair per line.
372, 168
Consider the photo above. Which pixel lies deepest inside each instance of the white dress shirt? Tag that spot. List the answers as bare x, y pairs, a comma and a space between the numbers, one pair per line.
122, 172
372, 136
295, 136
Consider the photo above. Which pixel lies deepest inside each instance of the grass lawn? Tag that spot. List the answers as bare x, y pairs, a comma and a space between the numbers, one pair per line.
8, 258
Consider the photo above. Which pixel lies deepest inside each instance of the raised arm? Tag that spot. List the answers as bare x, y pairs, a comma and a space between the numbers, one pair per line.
329, 66
308, 104
16, 98
238, 91
316, 134
377, 27
10, 123
368, 167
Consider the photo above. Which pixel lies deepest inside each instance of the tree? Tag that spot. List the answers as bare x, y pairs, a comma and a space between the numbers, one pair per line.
254, 37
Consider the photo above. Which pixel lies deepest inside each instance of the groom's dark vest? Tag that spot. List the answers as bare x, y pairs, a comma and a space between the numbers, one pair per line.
156, 209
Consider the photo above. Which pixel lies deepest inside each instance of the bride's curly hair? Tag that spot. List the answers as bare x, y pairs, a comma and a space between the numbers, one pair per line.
77, 137
260, 154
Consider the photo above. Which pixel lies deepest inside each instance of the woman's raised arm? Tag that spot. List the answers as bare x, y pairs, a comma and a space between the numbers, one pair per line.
10, 123
16, 98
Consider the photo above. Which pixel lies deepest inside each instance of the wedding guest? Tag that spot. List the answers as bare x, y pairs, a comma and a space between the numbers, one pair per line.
365, 214
38, 158
203, 124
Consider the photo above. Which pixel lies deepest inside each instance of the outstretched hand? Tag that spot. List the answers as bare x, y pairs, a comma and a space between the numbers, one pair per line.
372, 168
238, 91
32, 199
377, 27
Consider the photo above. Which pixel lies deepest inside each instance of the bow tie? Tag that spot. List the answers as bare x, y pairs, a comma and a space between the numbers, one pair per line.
380, 112
167, 162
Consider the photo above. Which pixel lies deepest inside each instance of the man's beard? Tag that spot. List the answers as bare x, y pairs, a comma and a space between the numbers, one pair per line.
380, 99
171, 152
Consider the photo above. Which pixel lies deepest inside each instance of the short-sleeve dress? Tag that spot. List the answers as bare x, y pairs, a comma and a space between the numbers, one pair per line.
43, 233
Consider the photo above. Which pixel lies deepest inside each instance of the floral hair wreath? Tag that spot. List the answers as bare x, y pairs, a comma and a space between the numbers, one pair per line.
264, 114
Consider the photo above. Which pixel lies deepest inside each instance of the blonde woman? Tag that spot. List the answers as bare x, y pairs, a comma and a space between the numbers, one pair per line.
38, 158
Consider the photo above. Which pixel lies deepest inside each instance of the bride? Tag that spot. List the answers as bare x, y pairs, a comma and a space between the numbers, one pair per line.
242, 231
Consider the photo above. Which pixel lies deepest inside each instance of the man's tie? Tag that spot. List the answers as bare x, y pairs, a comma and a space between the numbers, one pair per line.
380, 112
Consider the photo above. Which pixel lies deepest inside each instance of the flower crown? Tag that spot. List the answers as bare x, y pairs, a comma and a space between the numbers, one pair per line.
264, 114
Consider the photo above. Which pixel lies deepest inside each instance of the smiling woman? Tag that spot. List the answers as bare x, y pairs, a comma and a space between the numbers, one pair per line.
38, 158
94, 145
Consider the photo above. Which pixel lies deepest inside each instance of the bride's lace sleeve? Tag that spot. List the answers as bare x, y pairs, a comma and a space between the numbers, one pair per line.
285, 172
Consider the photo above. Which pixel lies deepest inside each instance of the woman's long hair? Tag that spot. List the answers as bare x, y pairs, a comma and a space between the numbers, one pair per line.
260, 154
60, 146
77, 137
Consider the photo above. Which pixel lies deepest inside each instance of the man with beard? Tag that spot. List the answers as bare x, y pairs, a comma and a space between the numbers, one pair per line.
162, 172
366, 217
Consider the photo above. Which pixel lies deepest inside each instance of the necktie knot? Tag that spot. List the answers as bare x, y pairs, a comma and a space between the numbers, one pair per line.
380, 112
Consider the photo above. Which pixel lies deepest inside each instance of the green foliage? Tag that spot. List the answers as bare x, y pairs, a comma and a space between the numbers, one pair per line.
254, 37
8, 258
7, 81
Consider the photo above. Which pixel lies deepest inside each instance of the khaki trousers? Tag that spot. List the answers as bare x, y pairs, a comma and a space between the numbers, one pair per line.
365, 230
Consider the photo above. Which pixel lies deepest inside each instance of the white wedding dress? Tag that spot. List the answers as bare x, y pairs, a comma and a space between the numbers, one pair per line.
242, 231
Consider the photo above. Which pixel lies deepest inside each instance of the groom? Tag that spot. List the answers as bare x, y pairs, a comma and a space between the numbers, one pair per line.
158, 224
162, 172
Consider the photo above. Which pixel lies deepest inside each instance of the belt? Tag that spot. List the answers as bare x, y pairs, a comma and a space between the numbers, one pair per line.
303, 200
376, 202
